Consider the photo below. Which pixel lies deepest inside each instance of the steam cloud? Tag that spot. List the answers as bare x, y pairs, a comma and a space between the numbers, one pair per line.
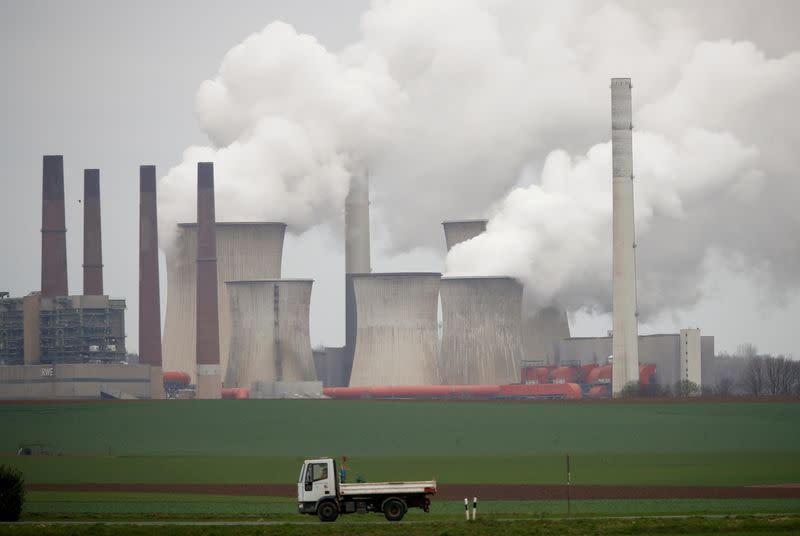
465, 108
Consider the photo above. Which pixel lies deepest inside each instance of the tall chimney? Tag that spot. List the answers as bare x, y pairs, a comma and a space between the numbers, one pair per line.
625, 335
54, 239
149, 297
92, 243
209, 381
356, 256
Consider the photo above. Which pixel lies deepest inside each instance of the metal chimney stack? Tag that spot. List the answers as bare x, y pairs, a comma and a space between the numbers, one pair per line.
209, 381
356, 255
625, 336
149, 296
92, 236
54, 239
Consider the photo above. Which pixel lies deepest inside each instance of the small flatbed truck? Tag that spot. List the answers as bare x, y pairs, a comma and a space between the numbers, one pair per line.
319, 492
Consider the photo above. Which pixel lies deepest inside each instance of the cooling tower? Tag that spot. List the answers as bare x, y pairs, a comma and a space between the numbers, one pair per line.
92, 243
54, 232
356, 256
396, 339
542, 331
481, 330
209, 380
624, 317
270, 338
245, 251
149, 292
461, 231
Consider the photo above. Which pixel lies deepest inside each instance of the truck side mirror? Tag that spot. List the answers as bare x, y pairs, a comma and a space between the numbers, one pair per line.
309, 482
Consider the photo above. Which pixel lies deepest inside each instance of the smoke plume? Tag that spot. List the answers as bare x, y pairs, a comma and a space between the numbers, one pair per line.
463, 109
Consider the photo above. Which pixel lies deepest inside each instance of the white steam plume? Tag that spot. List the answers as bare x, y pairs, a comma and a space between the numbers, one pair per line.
453, 104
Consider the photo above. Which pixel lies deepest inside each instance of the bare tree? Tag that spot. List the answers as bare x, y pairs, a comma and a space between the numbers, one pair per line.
753, 380
724, 387
747, 350
686, 388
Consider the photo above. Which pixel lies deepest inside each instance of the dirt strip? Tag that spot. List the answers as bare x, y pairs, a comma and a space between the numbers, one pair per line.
459, 491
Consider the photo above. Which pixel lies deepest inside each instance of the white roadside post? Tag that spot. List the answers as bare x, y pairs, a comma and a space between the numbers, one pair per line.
466, 508
474, 507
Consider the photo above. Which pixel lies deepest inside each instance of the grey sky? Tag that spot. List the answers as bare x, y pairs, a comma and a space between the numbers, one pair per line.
112, 85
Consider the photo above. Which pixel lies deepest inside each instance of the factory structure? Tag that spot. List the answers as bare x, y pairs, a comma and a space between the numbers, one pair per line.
234, 328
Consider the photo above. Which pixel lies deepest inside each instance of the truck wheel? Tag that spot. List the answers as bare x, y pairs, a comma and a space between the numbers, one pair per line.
394, 509
328, 511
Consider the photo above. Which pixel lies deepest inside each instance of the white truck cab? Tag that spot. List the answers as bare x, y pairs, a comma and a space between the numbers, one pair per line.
319, 492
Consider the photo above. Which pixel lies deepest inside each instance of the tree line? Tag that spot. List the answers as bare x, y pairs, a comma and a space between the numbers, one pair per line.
750, 373
743, 373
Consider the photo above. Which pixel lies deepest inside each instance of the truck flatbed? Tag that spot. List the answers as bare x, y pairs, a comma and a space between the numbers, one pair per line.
388, 488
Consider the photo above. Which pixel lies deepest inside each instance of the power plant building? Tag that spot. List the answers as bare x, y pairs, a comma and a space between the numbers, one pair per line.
668, 351
270, 337
396, 340
481, 330
245, 251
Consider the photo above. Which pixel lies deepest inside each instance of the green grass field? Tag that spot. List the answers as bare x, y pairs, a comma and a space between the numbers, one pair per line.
43, 504
265, 441
373, 428
477, 442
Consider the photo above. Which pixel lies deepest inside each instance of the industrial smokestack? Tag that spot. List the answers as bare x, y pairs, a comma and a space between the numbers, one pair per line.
356, 221
54, 239
396, 341
92, 235
149, 297
457, 231
625, 337
356, 255
209, 381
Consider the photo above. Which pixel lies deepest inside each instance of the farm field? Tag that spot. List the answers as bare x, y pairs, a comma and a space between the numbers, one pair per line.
682, 468
397, 428
85, 505
474, 446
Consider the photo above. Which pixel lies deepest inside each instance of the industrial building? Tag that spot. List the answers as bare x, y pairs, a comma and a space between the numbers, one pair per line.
232, 322
53, 344
62, 329
677, 356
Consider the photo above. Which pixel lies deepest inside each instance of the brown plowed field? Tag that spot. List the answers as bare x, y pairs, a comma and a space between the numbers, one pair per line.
459, 491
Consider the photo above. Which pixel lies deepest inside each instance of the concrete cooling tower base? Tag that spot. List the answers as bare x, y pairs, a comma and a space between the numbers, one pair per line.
481, 330
270, 339
396, 338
